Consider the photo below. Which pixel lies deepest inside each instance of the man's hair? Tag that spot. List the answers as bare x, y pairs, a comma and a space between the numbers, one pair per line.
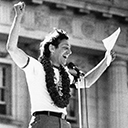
53, 38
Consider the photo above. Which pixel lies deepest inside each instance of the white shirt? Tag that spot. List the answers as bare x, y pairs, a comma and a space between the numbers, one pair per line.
39, 96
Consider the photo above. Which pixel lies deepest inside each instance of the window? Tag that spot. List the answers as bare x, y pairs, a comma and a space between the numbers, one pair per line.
72, 109
5, 89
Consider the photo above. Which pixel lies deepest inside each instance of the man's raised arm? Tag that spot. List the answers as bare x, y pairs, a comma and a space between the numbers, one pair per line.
18, 56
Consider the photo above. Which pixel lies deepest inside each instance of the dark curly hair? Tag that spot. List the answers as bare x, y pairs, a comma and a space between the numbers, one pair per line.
53, 38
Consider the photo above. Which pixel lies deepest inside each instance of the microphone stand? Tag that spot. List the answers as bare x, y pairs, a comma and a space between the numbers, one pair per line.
79, 73
79, 104
79, 96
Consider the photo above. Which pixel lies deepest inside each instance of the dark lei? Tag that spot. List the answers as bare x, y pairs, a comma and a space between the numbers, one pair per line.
60, 99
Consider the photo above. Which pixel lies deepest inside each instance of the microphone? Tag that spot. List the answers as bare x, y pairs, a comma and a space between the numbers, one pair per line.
74, 67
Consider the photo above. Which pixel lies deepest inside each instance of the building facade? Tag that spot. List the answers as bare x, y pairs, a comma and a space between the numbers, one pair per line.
88, 22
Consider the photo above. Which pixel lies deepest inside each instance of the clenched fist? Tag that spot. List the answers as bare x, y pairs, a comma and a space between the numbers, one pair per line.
19, 8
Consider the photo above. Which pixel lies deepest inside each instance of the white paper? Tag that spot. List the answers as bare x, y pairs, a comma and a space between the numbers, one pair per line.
110, 41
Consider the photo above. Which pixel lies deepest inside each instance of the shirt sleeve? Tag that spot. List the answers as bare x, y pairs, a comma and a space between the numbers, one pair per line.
31, 65
26, 63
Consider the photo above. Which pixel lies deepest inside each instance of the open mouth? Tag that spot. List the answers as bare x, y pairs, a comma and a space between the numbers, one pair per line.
65, 57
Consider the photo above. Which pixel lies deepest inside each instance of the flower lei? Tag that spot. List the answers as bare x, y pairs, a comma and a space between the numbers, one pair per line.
59, 100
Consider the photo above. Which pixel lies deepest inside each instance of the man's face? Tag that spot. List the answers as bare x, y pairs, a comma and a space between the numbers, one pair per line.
60, 54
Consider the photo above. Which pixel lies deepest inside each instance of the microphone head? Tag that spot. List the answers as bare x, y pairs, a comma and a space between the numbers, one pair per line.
70, 65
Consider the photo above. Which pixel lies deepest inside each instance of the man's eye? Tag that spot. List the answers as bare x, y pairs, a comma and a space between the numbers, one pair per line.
66, 48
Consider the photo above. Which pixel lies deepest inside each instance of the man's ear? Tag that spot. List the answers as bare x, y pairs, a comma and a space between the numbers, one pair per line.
51, 48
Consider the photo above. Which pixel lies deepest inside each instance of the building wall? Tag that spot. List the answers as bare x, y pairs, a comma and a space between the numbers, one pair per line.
106, 100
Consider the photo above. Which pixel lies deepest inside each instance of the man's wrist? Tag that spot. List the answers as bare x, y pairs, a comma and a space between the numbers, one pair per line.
18, 17
108, 58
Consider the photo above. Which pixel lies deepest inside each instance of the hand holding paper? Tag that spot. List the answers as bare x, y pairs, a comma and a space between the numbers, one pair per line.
110, 41
110, 55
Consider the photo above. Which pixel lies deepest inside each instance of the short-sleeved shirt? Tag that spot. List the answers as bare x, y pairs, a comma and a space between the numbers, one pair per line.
39, 96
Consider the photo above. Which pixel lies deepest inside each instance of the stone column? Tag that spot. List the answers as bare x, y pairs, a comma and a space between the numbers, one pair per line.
118, 95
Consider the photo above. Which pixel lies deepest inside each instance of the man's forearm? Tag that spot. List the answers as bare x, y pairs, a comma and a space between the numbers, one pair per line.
92, 76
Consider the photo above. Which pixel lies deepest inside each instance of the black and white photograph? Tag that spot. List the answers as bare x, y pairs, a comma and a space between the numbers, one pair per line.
63, 64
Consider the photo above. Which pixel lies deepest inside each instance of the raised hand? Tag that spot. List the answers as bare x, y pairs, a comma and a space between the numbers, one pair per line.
19, 8
110, 55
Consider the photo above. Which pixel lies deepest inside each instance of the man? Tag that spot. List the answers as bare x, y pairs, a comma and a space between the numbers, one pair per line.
48, 79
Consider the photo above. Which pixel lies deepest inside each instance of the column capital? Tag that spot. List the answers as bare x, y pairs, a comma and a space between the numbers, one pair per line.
119, 62
121, 57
